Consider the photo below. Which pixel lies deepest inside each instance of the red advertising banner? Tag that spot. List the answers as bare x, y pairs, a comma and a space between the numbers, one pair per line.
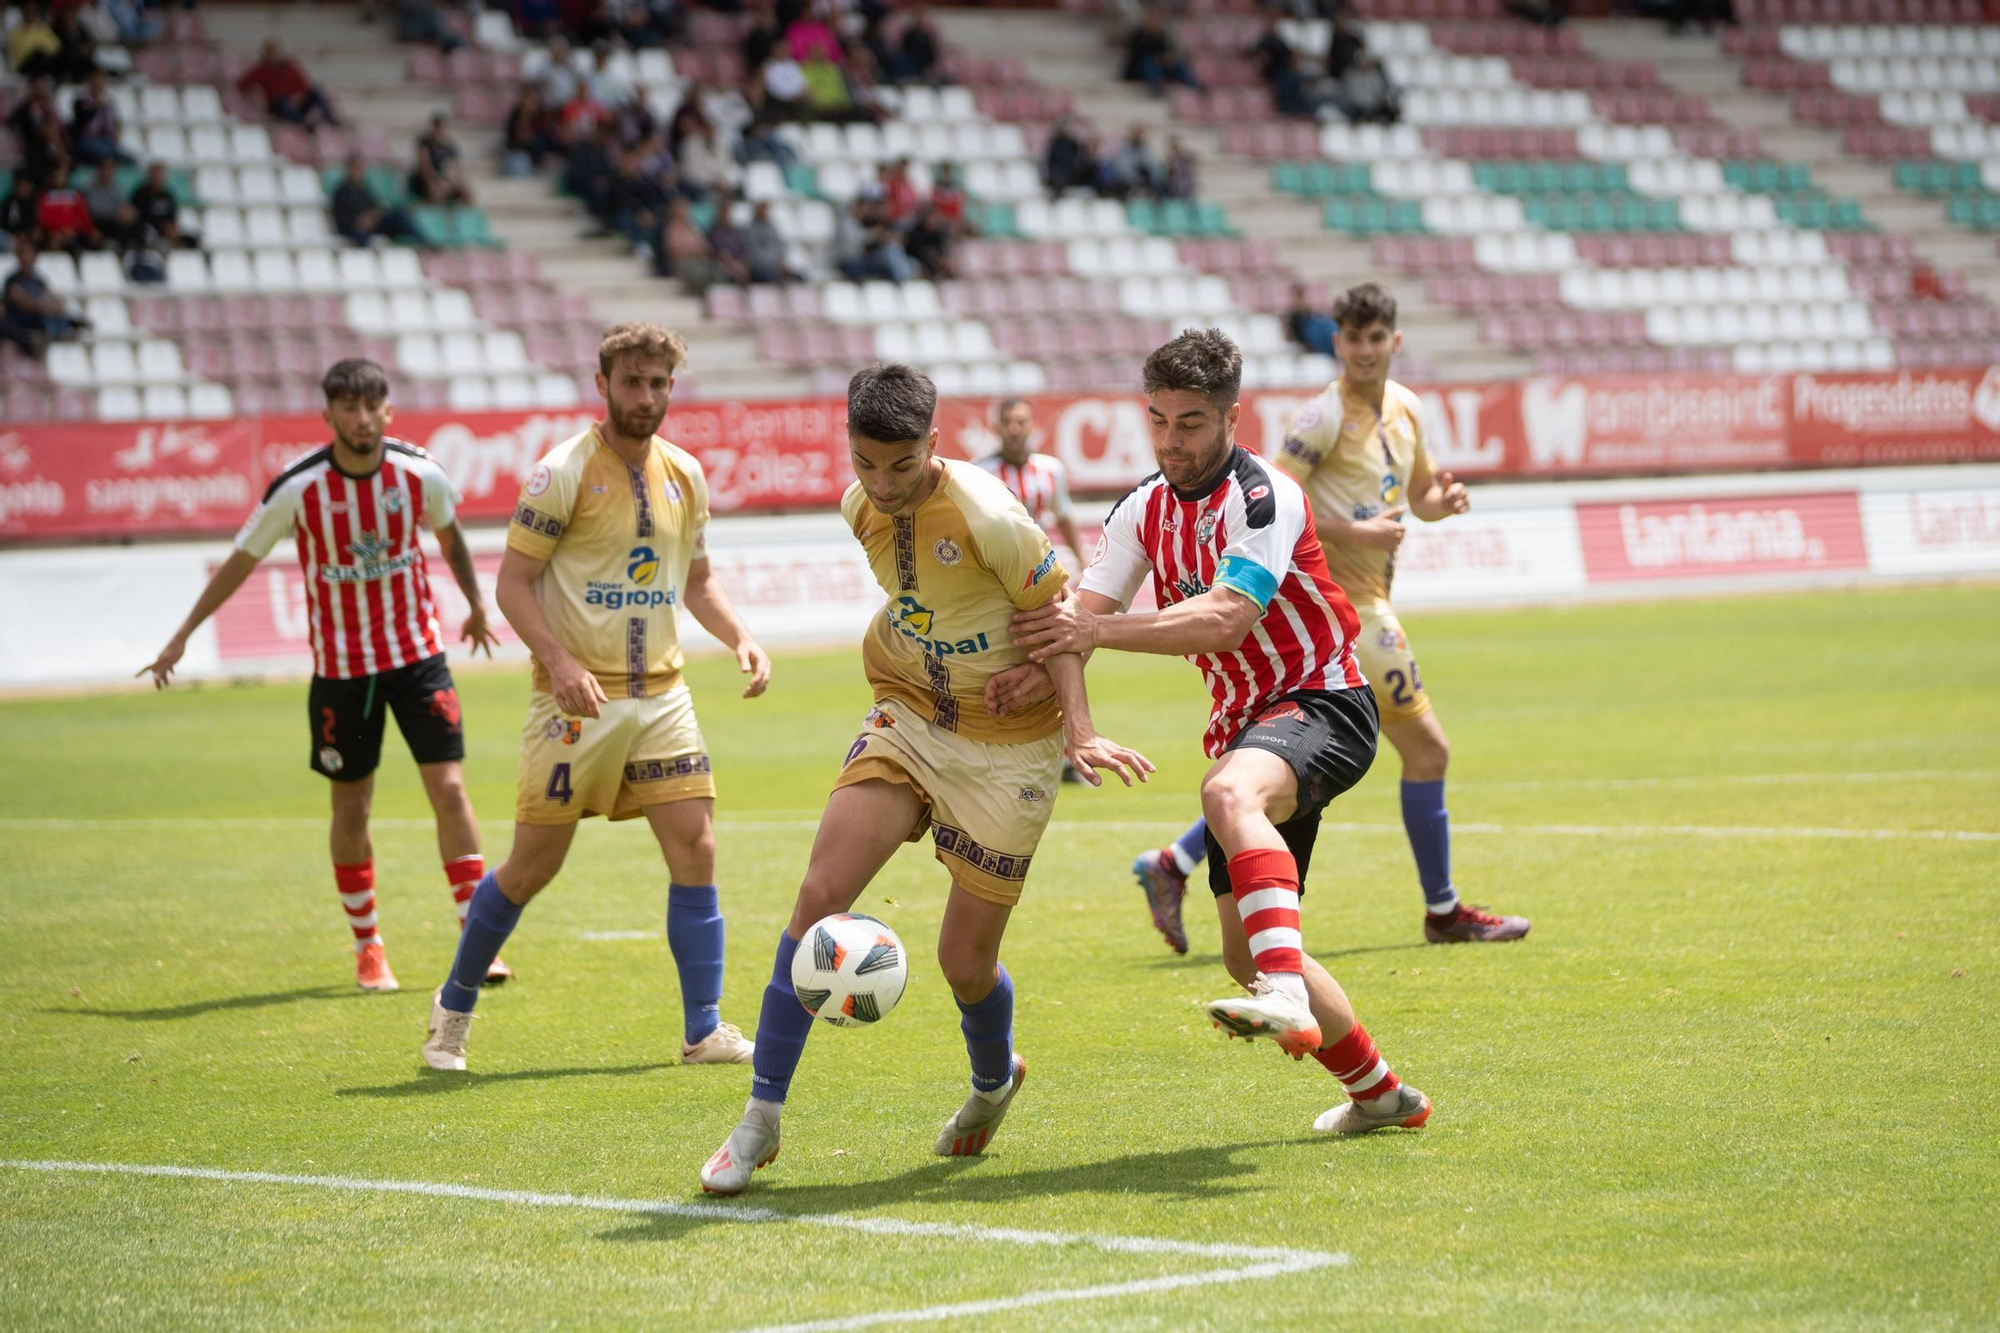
1679, 539
105, 480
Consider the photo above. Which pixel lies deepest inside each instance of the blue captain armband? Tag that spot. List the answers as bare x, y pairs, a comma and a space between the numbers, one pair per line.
1247, 577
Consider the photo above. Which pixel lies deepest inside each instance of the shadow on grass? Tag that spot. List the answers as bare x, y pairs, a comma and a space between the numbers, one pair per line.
196, 1008
436, 1082
1185, 1173
1183, 961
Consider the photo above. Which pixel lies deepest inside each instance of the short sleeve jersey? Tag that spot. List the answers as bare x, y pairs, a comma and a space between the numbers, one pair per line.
618, 541
955, 571
1041, 484
1356, 463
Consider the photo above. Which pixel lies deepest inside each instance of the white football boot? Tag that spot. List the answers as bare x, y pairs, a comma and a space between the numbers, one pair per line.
1268, 1012
968, 1132
725, 1046
750, 1147
444, 1044
1405, 1106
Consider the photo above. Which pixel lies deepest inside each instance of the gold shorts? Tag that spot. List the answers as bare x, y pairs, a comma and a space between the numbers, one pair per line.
1391, 667
985, 804
641, 752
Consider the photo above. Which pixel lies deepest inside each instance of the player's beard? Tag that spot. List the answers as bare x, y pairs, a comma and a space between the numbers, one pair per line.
365, 445
638, 424
1188, 471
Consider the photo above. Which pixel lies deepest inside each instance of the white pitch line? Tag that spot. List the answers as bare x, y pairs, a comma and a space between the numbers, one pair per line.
1090, 825
599, 936
1266, 1260
1732, 780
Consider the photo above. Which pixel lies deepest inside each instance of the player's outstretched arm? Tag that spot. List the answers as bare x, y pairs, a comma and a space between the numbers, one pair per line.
458, 555
576, 691
227, 578
1214, 622
711, 609
1444, 497
1087, 751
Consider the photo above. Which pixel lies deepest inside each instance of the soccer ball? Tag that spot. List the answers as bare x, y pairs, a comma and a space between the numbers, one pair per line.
850, 970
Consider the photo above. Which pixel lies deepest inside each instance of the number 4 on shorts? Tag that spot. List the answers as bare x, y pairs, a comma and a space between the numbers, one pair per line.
559, 789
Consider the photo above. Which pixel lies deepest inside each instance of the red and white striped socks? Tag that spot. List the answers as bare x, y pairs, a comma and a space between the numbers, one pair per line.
1265, 882
357, 894
1359, 1066
464, 874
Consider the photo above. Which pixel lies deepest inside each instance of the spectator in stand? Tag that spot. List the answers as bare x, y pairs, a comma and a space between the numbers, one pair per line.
21, 210
760, 143
948, 198
439, 175
1310, 326
785, 89
767, 251
38, 126
1541, 13
1180, 173
288, 93
1132, 170
94, 125
883, 56
1344, 43
685, 253
1154, 58
866, 246
57, 47
1069, 161
761, 41
530, 134
1270, 50
1366, 96
635, 201
608, 88
900, 199
917, 53
31, 316
1290, 93
928, 242
423, 21
706, 168
63, 219
587, 168
130, 23
360, 216
810, 37
730, 241
159, 212
111, 213
559, 78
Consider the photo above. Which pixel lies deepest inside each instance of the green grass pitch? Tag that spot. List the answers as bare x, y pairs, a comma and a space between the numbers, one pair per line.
1742, 1074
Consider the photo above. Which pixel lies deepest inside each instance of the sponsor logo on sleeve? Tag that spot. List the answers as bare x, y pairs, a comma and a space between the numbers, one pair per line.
538, 480
1041, 571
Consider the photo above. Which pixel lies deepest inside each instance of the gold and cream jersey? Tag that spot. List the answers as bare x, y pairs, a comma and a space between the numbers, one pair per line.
1356, 462
955, 571
618, 541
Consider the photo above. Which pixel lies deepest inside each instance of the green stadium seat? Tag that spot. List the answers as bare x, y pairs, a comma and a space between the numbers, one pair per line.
800, 178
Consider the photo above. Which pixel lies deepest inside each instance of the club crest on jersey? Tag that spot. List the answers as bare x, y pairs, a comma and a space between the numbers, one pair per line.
538, 480
1204, 529
1391, 640
329, 759
645, 566
568, 730
1308, 417
1033, 795
880, 720
947, 552
392, 502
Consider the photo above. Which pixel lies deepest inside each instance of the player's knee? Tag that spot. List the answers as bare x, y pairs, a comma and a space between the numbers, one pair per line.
966, 971
1225, 802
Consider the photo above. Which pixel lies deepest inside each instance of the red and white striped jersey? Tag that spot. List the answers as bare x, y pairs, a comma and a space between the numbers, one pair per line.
1041, 484
367, 596
1249, 530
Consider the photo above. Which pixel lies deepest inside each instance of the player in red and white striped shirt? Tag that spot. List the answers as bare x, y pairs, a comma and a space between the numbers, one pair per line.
356, 508
1039, 481
1244, 594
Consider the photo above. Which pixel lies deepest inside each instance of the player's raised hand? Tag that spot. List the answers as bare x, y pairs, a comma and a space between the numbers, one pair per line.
162, 666
1064, 626
1456, 501
1101, 752
1018, 687
1384, 532
478, 633
755, 663
576, 690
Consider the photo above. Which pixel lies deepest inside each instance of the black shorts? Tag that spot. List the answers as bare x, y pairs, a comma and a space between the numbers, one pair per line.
347, 718
1328, 737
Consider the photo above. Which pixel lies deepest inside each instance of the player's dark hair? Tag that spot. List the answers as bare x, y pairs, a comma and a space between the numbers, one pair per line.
1202, 361
890, 401
1364, 304
356, 377
648, 340
1006, 405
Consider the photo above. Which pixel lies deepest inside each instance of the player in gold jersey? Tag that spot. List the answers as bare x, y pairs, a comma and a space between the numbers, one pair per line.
957, 556
1358, 451
608, 540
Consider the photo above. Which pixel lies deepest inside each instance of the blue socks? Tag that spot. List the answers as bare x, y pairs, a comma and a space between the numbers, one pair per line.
782, 1028
694, 933
1191, 846
489, 919
989, 1034
1424, 819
